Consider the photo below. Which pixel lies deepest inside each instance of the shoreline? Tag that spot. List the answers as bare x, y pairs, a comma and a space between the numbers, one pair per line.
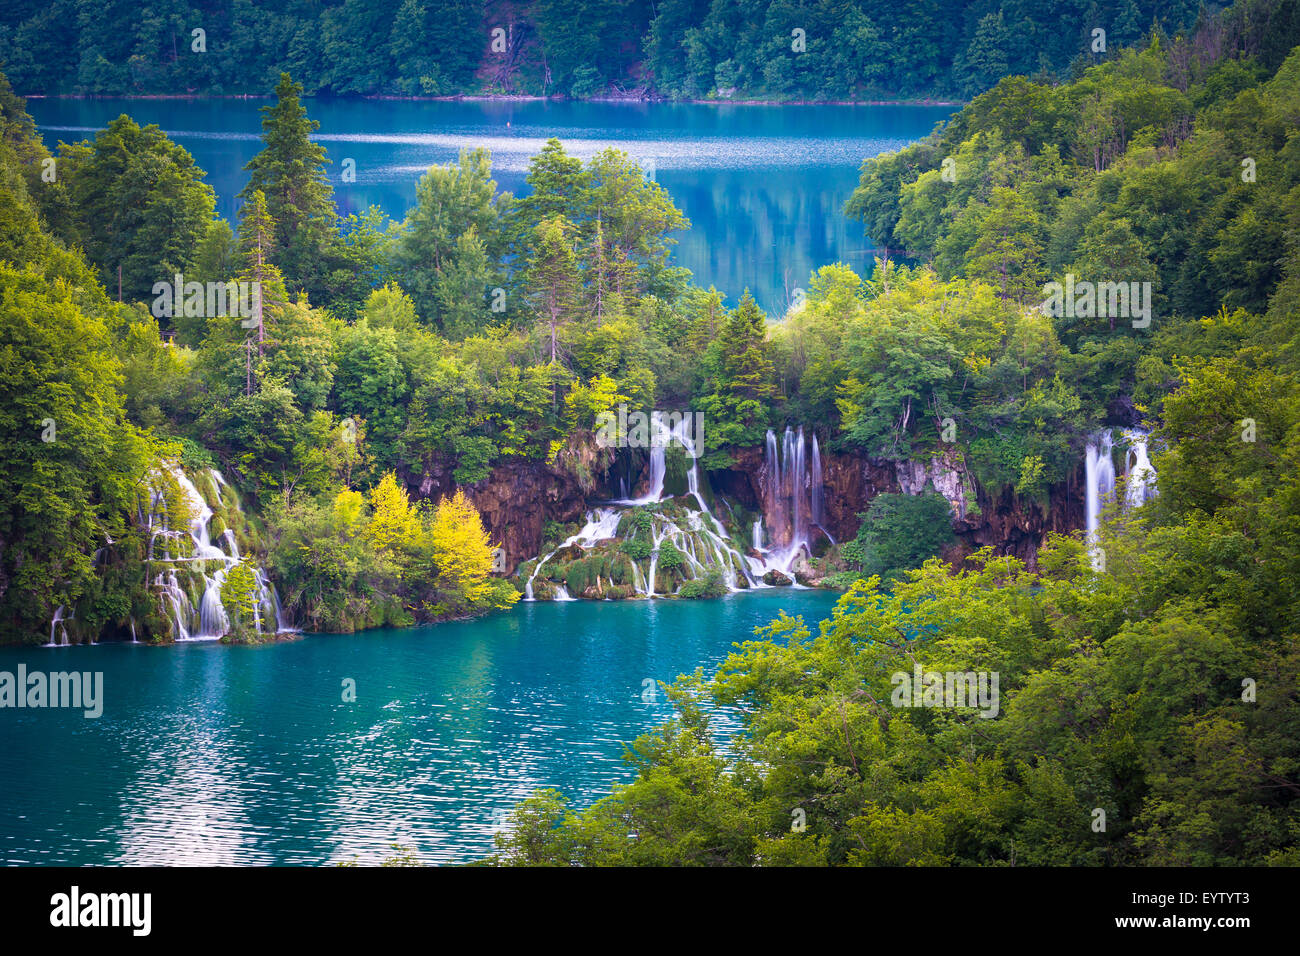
299, 634
500, 98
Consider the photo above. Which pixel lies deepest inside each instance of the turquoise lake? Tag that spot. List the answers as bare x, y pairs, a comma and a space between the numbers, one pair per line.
208, 754
763, 186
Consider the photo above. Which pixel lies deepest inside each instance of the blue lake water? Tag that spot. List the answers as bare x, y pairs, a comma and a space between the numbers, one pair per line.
763, 186
207, 754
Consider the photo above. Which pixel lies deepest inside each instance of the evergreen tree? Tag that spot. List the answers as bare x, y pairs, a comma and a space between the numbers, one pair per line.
554, 278
737, 406
557, 184
290, 172
256, 245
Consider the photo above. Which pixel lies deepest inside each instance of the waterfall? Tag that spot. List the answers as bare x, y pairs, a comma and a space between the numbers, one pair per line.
601, 525
775, 503
659, 439
1140, 476
57, 628
1099, 474
703, 540
657, 537
792, 498
815, 484
682, 434
193, 605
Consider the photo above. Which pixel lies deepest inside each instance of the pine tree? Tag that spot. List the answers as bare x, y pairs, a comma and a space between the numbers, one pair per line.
741, 376
290, 171
256, 242
746, 369
554, 277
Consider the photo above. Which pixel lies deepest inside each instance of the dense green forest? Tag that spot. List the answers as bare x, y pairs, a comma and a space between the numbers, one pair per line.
829, 49
1148, 710
483, 329
1157, 685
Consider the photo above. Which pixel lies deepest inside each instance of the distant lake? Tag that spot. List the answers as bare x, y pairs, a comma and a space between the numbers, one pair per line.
763, 186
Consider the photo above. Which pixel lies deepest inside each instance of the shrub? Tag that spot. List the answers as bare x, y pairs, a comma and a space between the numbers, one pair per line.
670, 559
900, 532
709, 586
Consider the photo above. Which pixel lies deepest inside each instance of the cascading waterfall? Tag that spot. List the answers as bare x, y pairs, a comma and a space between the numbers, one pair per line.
58, 629
601, 525
792, 499
815, 488
1099, 477
1099, 474
1139, 474
660, 436
189, 586
692, 530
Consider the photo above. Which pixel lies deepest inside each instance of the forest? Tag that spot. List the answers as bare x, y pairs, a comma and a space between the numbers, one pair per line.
1149, 711
768, 49
1157, 686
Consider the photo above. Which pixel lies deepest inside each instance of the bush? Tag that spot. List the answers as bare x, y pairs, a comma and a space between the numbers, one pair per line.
587, 81
637, 548
670, 559
841, 580
578, 578
900, 532
709, 586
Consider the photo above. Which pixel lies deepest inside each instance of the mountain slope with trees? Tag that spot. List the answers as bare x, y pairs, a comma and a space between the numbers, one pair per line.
778, 49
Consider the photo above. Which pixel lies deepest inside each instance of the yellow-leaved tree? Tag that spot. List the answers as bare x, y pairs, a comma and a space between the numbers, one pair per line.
395, 525
349, 506
461, 558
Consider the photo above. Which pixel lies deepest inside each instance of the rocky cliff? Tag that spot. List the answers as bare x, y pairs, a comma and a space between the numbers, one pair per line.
520, 496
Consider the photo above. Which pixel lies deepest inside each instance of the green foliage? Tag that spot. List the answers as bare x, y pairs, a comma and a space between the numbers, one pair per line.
670, 558
240, 597
73, 468
738, 385
140, 205
710, 585
638, 548
449, 251
900, 532
862, 48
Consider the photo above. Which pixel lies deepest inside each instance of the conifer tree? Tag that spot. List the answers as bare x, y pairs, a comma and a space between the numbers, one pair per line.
256, 243
741, 379
290, 172
554, 277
